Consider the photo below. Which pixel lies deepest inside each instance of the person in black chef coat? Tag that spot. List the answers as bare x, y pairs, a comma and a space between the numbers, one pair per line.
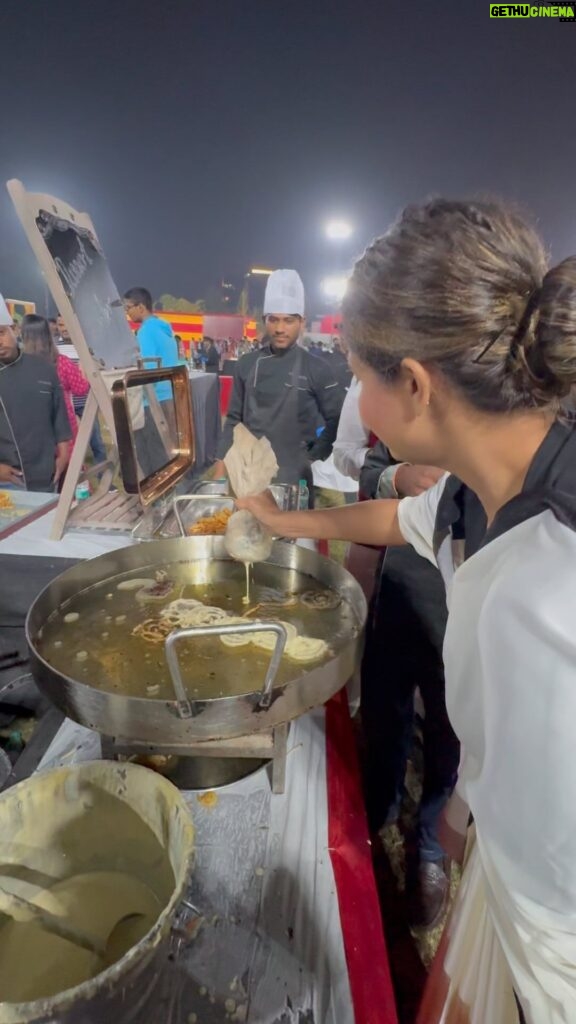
34, 428
282, 392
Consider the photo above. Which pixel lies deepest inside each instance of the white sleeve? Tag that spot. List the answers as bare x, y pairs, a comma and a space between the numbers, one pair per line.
351, 444
417, 519
518, 743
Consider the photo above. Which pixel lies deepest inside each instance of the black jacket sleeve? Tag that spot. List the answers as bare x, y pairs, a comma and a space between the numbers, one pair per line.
377, 460
329, 395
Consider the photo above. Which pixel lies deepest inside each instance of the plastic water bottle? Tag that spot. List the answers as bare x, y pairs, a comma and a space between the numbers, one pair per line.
82, 491
303, 495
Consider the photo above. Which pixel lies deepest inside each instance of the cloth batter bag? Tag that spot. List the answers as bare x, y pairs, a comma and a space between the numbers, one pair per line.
251, 466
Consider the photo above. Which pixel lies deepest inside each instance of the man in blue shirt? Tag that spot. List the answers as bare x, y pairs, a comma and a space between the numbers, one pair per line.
156, 341
155, 336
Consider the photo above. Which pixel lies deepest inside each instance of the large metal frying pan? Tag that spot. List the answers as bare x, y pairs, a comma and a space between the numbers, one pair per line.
180, 722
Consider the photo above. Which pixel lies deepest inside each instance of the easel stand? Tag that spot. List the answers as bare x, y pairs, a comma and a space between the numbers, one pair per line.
75, 270
108, 508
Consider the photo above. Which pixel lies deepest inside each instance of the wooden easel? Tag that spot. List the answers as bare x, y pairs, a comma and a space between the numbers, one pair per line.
97, 352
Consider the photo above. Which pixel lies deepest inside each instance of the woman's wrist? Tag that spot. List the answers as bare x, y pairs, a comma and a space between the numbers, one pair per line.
401, 465
293, 524
387, 484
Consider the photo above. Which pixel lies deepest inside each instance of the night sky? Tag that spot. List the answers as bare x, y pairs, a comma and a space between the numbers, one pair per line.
206, 136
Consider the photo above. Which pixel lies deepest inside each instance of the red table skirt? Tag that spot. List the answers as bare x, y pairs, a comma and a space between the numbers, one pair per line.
225, 393
349, 843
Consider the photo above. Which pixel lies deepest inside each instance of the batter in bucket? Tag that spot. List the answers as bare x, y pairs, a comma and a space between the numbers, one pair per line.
113, 908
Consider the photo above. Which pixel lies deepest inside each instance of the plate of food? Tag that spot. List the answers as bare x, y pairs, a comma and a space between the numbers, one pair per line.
16, 507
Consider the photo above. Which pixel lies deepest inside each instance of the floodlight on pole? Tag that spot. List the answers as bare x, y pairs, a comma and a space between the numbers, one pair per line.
261, 270
338, 230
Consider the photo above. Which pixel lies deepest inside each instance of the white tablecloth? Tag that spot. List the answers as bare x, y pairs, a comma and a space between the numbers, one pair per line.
34, 539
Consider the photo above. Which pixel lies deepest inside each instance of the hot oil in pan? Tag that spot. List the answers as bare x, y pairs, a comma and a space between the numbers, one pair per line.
98, 647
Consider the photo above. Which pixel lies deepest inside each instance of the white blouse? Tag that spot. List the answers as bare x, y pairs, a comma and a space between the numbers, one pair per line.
510, 662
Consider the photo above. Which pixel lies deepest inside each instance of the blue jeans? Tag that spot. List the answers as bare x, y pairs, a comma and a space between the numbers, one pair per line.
97, 446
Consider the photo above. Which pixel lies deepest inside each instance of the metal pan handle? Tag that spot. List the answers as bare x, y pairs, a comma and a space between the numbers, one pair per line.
187, 708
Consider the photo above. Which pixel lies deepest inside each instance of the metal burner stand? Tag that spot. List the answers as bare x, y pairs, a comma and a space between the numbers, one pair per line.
263, 746
270, 745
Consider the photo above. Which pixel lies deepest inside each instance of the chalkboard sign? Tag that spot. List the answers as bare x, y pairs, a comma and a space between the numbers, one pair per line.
86, 279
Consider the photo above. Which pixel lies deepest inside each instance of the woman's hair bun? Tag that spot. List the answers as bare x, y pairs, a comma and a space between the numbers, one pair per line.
546, 353
463, 286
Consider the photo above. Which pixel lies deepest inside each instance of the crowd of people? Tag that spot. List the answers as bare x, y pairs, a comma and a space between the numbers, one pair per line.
217, 355
458, 428
45, 338
212, 354
36, 439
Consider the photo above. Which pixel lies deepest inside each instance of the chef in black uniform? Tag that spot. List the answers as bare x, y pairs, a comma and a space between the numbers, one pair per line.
34, 429
282, 392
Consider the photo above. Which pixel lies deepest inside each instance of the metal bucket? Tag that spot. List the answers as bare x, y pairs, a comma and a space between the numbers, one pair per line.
97, 817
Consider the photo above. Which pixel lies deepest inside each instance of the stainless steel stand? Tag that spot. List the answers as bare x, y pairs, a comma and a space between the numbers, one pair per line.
258, 747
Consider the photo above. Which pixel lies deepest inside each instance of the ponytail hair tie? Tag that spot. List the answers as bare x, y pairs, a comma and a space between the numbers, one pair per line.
521, 330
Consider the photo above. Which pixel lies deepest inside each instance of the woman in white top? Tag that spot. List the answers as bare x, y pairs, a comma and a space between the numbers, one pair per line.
465, 345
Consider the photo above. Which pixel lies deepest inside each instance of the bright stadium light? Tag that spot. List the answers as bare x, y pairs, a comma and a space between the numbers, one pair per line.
261, 270
338, 230
335, 287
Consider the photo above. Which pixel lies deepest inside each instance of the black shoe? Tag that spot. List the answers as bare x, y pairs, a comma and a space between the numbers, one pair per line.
428, 893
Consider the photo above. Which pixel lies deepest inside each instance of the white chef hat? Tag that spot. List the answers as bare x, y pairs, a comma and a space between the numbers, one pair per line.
5, 317
284, 294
